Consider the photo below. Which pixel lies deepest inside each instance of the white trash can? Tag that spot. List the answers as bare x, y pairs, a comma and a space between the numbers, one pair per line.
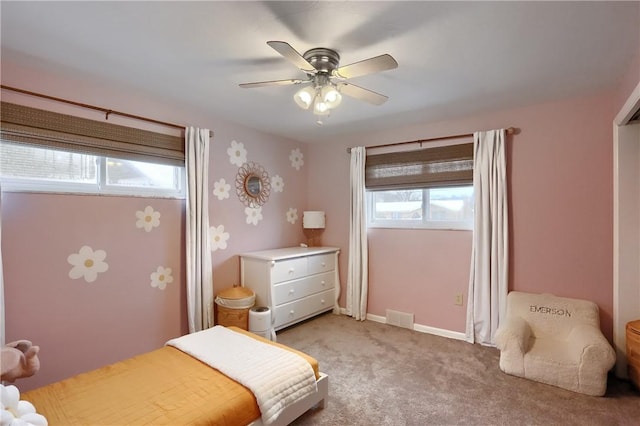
260, 322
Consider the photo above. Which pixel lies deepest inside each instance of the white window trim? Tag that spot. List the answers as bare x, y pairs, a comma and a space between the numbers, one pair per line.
439, 224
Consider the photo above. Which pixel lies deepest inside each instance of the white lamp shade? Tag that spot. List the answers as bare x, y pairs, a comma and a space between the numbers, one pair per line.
313, 220
304, 97
320, 108
331, 96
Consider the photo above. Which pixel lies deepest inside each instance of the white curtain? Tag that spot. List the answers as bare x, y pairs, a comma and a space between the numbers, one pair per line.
357, 280
2, 342
488, 285
199, 274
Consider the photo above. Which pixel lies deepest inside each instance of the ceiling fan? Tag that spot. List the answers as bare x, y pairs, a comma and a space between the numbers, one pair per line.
326, 79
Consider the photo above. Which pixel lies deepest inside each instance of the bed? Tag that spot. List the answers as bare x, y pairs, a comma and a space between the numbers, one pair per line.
170, 386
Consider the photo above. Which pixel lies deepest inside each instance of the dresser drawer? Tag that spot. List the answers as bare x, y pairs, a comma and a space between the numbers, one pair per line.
291, 269
291, 290
303, 308
321, 263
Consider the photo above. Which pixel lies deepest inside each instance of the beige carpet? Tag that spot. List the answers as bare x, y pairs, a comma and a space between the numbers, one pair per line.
385, 375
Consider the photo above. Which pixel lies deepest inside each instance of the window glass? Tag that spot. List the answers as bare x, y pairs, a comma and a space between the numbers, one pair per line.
137, 174
431, 208
405, 205
35, 163
32, 168
452, 204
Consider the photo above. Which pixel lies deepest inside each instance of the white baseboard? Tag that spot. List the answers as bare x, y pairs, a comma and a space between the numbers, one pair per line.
423, 328
377, 318
440, 332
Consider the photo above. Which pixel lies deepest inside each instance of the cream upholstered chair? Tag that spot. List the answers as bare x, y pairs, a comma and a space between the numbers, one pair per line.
555, 340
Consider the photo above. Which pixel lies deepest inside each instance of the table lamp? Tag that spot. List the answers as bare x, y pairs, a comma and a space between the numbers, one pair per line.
312, 226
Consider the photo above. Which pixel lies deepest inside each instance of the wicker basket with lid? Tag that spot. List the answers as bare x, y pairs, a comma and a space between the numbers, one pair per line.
232, 307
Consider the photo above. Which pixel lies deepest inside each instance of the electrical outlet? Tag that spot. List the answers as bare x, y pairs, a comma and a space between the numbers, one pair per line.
459, 299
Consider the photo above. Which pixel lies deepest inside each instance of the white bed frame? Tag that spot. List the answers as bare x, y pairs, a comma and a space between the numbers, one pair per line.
294, 411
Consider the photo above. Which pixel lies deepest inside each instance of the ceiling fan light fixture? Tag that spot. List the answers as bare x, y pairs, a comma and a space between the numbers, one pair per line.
322, 67
321, 98
331, 96
321, 108
304, 97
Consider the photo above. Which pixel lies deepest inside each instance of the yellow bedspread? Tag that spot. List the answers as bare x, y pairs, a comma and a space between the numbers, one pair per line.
165, 386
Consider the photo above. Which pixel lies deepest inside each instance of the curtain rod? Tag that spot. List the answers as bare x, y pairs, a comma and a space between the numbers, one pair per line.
509, 131
107, 111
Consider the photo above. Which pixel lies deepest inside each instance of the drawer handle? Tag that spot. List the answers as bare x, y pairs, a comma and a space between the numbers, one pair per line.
322, 301
324, 264
291, 313
323, 283
292, 291
291, 271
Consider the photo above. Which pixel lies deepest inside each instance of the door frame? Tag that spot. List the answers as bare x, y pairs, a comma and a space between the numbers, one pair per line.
626, 226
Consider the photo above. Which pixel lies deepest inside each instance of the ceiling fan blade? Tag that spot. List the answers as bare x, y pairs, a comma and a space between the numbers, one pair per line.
362, 93
292, 55
271, 83
367, 66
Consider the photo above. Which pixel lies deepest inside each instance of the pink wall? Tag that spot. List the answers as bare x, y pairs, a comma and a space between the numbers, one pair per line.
80, 326
560, 191
273, 230
431, 267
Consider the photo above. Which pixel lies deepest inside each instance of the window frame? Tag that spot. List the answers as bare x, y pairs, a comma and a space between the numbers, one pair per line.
424, 223
100, 186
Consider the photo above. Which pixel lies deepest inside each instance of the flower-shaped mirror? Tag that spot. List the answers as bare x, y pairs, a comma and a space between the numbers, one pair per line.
253, 185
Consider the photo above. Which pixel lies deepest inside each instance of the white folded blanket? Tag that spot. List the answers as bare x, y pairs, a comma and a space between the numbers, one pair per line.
278, 378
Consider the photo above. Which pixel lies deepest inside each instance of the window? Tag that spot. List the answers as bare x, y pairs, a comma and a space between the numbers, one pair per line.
429, 188
34, 168
433, 208
47, 151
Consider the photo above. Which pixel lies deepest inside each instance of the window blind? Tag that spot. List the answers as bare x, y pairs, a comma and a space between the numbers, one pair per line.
22, 124
426, 168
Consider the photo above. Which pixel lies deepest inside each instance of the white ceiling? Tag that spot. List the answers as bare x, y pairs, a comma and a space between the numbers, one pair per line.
455, 58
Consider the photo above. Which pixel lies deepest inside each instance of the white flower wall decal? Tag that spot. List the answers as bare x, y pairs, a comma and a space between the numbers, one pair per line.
218, 237
277, 183
221, 189
292, 215
161, 277
148, 219
87, 264
296, 159
237, 153
254, 215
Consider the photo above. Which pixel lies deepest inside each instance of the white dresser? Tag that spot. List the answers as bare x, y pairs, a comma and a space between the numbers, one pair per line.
296, 283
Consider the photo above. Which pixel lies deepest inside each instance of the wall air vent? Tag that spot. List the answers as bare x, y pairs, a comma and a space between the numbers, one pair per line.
400, 319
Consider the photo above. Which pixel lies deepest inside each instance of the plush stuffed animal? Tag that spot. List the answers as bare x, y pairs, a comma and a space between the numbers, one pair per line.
19, 359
